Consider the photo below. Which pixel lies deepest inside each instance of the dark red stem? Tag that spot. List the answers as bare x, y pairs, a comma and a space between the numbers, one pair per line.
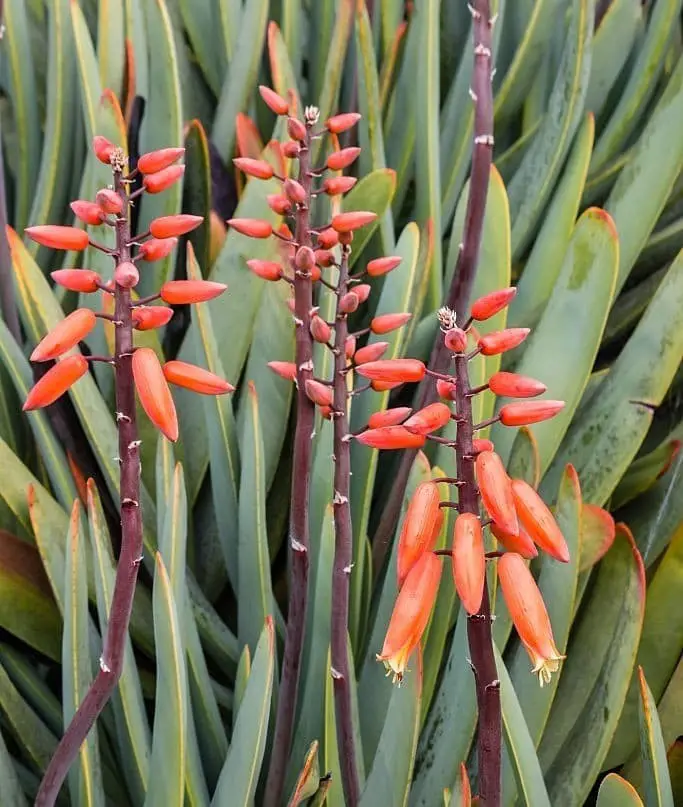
299, 541
111, 660
343, 555
460, 289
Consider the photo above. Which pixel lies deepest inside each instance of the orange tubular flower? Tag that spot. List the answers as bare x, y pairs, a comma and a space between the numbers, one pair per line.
87, 212
490, 304
411, 614
512, 385
285, 369
159, 181
389, 417
341, 123
173, 226
319, 393
67, 334
56, 382
339, 160
381, 266
83, 280
403, 370
348, 222
389, 437
468, 561
427, 420
195, 378
538, 521
522, 414
529, 615
385, 323
495, 487
253, 228
158, 160
56, 236
421, 526
370, 352
266, 270
276, 103
499, 341
147, 318
157, 248
254, 168
186, 292
153, 392
521, 544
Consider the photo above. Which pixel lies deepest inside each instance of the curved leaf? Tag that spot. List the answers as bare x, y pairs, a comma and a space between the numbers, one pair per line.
656, 781
617, 792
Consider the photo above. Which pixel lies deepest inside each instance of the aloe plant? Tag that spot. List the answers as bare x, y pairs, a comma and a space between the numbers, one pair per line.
564, 182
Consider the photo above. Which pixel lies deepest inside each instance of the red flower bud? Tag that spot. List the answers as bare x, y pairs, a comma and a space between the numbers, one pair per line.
384, 386
389, 417
522, 543
522, 414
432, 417
319, 393
87, 212
385, 323
490, 304
285, 369
157, 248
266, 270
349, 303
254, 168
147, 318
371, 352
304, 260
347, 222
103, 149
515, 386
57, 237
67, 334
294, 191
339, 160
445, 389
83, 280
389, 437
468, 561
254, 228
495, 487
172, 226
335, 186
362, 291
295, 129
401, 370
381, 266
350, 346
55, 382
184, 292
328, 238
324, 257
341, 123
421, 526
195, 378
499, 341
538, 521
291, 149
279, 204
153, 392
157, 160
320, 330
480, 444
159, 181
455, 339
126, 275
276, 103
109, 201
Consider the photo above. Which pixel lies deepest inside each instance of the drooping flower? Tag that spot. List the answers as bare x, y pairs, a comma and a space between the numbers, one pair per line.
421, 526
319, 393
153, 392
522, 544
495, 487
55, 382
538, 521
65, 335
468, 561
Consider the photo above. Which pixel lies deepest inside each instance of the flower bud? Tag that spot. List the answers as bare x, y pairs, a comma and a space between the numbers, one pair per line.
319, 393
276, 103
279, 204
345, 239
421, 526
362, 291
266, 270
339, 160
445, 389
56, 236
335, 186
87, 212
195, 378
161, 180
157, 248
285, 369
490, 304
328, 238
186, 292
341, 123
147, 318
384, 386
347, 222
254, 228
103, 149
390, 437
65, 335
512, 385
158, 160
304, 259
291, 149
296, 129
495, 487
172, 226
381, 266
324, 257
55, 382
468, 561
522, 543
126, 275
320, 330
499, 341
480, 444
371, 352
455, 339
350, 347
527, 412
432, 417
538, 521
82, 280
294, 191
349, 303
153, 392
401, 370
109, 201
254, 168
389, 417
385, 323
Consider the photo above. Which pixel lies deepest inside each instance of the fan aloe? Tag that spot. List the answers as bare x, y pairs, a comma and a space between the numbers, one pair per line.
582, 214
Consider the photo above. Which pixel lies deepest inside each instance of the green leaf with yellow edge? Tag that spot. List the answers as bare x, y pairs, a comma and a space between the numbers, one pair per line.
11, 791
644, 472
656, 780
576, 313
27, 608
617, 792
85, 778
241, 681
545, 260
335, 796
602, 443
524, 461
595, 676
373, 192
21, 83
240, 81
167, 766
533, 182
110, 45
390, 776
237, 783
136, 41
460, 795
206, 37
254, 587
132, 729
197, 191
26, 677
